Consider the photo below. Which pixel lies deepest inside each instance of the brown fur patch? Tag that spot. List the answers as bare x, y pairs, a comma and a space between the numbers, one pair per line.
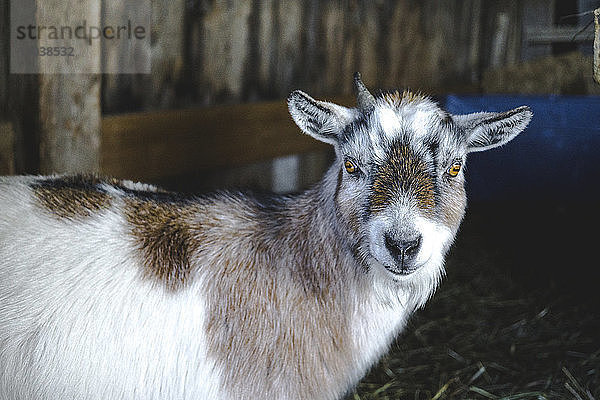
164, 236
453, 202
396, 98
348, 209
276, 304
403, 172
159, 221
72, 197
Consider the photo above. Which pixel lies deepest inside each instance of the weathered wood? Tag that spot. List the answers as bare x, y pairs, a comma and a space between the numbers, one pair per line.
285, 174
231, 51
501, 26
7, 151
536, 13
126, 63
70, 123
23, 112
565, 74
597, 45
500, 42
155, 145
167, 51
556, 34
474, 41
69, 100
4, 57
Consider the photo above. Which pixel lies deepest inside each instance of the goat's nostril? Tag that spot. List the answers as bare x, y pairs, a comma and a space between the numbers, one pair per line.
392, 246
402, 249
412, 247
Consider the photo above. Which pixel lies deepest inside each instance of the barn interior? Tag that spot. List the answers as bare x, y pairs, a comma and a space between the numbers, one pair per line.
200, 105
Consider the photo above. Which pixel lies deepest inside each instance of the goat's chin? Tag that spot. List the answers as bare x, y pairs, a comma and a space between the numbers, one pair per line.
415, 288
422, 266
425, 280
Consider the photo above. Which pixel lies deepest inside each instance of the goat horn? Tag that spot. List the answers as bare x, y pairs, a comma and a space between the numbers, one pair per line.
364, 98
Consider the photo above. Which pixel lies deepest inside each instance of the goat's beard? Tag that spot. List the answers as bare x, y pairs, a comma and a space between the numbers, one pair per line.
411, 291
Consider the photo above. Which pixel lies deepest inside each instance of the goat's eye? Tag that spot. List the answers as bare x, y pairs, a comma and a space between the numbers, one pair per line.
454, 169
350, 167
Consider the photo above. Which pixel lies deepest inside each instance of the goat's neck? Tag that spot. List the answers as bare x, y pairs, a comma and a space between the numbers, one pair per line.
378, 307
319, 209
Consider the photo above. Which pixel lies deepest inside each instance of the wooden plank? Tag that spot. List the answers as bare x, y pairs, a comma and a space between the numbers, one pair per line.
214, 52
536, 13
503, 26
155, 145
7, 149
561, 34
131, 66
597, 45
4, 57
69, 100
500, 40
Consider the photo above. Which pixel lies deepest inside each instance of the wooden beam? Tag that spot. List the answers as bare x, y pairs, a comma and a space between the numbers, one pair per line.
597, 45
7, 149
69, 100
556, 35
156, 145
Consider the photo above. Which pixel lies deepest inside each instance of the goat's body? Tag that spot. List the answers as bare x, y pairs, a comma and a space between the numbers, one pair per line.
82, 317
115, 290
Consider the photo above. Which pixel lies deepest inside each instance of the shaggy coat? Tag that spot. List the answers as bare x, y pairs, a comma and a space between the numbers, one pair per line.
117, 290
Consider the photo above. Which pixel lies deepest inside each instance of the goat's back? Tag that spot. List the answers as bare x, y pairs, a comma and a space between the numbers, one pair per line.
72, 299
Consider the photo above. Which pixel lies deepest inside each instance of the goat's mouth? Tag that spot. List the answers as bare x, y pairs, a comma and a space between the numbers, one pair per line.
403, 270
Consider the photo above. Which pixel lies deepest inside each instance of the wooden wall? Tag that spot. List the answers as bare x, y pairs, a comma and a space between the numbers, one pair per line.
213, 52
207, 53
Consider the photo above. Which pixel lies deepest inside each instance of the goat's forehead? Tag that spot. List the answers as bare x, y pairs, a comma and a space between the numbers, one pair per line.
415, 124
416, 119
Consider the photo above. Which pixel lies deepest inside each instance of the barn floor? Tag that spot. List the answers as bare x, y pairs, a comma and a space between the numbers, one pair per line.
517, 316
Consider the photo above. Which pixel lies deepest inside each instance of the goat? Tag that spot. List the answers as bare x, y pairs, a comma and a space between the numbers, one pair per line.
117, 290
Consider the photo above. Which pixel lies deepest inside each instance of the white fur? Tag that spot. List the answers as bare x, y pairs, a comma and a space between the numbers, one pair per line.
390, 123
134, 340
415, 119
420, 123
377, 323
437, 238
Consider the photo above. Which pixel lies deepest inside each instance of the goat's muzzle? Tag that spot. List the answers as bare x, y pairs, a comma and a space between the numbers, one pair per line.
404, 252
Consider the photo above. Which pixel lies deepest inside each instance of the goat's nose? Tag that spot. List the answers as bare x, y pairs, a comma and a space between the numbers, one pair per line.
403, 250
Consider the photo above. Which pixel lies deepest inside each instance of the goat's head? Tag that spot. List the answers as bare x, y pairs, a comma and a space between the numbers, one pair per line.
400, 171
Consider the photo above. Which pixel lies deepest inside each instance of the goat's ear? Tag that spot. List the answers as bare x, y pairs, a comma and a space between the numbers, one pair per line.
322, 120
487, 130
